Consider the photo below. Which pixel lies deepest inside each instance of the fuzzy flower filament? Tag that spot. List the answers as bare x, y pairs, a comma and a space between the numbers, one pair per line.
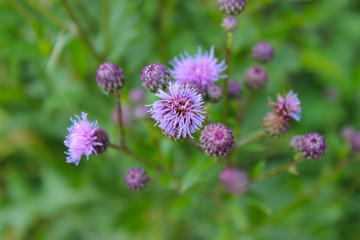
179, 113
82, 139
199, 70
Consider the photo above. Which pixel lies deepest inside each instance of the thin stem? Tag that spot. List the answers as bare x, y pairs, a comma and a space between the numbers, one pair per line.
228, 63
251, 139
81, 31
136, 157
120, 118
280, 169
195, 143
244, 109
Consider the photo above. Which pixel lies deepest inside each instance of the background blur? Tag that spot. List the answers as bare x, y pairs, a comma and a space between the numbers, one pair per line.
49, 54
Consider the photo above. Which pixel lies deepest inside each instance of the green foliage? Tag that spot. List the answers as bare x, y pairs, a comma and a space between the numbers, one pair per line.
47, 74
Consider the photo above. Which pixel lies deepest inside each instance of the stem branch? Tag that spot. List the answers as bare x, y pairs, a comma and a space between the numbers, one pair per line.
251, 139
120, 118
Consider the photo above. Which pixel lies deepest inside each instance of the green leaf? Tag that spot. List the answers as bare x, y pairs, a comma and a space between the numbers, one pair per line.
193, 175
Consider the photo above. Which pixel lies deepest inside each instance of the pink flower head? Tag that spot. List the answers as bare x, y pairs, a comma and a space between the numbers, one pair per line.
82, 139
198, 70
179, 113
288, 106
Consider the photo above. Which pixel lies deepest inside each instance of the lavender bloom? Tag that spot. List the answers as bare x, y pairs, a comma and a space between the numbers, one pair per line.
263, 52
199, 70
155, 76
137, 95
256, 78
235, 180
232, 7
180, 112
110, 77
214, 93
216, 140
313, 146
229, 24
355, 142
348, 132
276, 125
82, 139
288, 106
296, 143
136, 179
234, 89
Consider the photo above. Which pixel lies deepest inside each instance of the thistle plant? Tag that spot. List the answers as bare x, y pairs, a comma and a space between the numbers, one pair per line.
187, 92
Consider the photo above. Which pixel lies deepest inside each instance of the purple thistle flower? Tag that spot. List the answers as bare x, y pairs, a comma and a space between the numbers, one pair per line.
313, 146
214, 93
263, 52
355, 142
155, 76
235, 180
82, 139
348, 132
234, 89
180, 112
229, 24
256, 78
136, 178
216, 140
199, 70
110, 77
288, 106
232, 7
276, 125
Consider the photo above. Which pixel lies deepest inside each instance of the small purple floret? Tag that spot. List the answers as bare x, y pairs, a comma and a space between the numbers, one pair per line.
155, 76
229, 24
216, 140
179, 113
199, 70
355, 142
137, 95
235, 180
256, 78
313, 146
263, 52
234, 89
136, 179
81, 139
214, 93
288, 106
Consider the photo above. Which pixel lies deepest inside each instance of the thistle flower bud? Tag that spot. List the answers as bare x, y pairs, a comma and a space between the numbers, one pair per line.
103, 138
235, 180
155, 76
137, 95
263, 52
110, 77
348, 132
296, 143
355, 142
216, 140
229, 24
276, 125
313, 146
136, 178
234, 89
231, 7
214, 93
256, 78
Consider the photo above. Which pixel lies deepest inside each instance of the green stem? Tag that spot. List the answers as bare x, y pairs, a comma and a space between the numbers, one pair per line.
244, 109
81, 31
280, 169
251, 139
195, 144
120, 118
228, 63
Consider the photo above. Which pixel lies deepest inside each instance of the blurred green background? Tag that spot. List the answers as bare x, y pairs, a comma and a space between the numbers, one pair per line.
49, 54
